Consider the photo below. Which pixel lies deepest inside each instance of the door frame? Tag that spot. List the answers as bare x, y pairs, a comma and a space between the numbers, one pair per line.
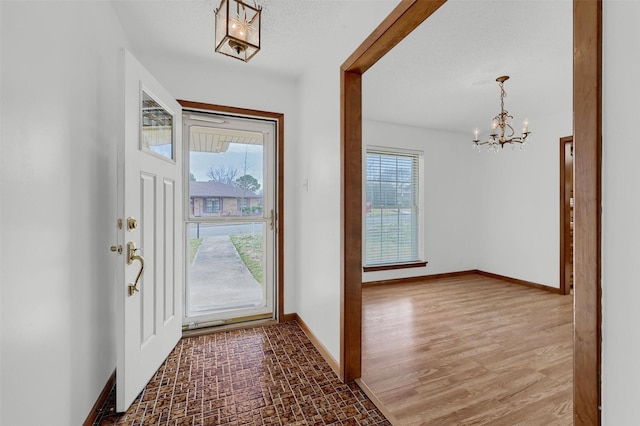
279, 120
587, 131
565, 224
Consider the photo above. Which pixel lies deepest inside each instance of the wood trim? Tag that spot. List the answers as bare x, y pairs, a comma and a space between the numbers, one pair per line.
351, 225
316, 342
372, 396
393, 266
520, 282
564, 222
289, 317
419, 278
406, 16
102, 399
228, 109
587, 132
459, 274
587, 112
279, 118
402, 20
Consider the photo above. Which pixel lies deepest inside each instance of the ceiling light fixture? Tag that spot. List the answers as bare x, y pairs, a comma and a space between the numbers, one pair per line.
238, 29
501, 130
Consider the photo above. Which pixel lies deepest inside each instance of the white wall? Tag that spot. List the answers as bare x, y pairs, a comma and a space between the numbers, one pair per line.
238, 85
518, 221
318, 206
59, 110
450, 196
317, 184
492, 212
621, 211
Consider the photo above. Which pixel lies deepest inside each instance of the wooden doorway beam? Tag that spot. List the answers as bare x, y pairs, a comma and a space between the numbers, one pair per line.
587, 148
407, 16
587, 108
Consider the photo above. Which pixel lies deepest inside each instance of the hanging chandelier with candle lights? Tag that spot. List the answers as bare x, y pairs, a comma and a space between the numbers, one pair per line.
502, 132
238, 29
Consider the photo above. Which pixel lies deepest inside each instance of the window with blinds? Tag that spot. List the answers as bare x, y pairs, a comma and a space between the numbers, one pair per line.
392, 207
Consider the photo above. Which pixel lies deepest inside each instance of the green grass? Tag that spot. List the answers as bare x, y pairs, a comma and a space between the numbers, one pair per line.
249, 247
194, 244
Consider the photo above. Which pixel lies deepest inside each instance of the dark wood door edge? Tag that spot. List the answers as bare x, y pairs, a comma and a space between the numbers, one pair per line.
565, 288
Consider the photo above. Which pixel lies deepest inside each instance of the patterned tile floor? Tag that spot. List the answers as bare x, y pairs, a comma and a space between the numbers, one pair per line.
261, 376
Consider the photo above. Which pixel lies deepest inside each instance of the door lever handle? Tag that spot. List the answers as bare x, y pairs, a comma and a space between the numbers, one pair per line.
132, 257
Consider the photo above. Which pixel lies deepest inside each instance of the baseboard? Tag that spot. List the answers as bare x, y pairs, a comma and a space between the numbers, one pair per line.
102, 399
372, 396
419, 278
319, 346
520, 282
460, 274
289, 317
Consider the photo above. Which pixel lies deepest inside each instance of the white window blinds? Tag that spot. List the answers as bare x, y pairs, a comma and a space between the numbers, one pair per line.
392, 207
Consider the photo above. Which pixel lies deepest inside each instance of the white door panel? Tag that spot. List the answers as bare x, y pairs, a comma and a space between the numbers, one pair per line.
149, 191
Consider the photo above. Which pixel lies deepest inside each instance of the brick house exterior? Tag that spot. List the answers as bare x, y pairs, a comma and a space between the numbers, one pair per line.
219, 199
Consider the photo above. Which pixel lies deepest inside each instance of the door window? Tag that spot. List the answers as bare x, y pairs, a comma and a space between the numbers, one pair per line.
231, 239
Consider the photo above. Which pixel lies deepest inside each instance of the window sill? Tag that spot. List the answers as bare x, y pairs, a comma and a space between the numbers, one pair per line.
392, 266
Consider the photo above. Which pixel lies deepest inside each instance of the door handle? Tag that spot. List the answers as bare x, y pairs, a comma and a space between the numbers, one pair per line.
132, 257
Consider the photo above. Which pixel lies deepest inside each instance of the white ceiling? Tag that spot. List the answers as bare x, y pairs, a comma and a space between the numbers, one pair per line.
441, 76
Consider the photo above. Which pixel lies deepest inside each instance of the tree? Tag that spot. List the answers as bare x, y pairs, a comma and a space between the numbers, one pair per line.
192, 178
222, 174
248, 183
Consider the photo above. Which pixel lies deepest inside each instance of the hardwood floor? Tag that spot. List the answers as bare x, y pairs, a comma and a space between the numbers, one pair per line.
469, 350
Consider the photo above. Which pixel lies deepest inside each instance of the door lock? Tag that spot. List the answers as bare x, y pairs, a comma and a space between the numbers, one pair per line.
132, 257
132, 223
117, 248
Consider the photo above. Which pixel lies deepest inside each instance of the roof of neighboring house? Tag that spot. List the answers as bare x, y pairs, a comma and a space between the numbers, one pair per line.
217, 189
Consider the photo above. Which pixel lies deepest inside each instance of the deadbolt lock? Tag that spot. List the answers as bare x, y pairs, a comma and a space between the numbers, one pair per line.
132, 224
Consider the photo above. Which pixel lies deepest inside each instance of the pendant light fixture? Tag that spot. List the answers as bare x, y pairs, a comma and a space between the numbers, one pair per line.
238, 29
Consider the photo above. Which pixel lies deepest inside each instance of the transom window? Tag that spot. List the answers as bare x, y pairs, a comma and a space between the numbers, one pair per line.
392, 207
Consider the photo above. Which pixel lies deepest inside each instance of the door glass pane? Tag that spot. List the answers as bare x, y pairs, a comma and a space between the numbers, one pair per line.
157, 128
226, 172
226, 266
230, 275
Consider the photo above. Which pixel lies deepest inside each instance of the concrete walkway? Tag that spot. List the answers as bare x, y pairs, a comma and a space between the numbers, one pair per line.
220, 280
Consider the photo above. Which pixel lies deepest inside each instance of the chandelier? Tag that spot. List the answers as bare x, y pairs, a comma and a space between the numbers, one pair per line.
238, 29
501, 130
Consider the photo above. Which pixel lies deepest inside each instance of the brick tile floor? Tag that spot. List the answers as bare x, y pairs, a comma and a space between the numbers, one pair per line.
260, 376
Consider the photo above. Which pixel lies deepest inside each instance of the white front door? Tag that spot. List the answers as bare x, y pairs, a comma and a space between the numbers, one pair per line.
149, 285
